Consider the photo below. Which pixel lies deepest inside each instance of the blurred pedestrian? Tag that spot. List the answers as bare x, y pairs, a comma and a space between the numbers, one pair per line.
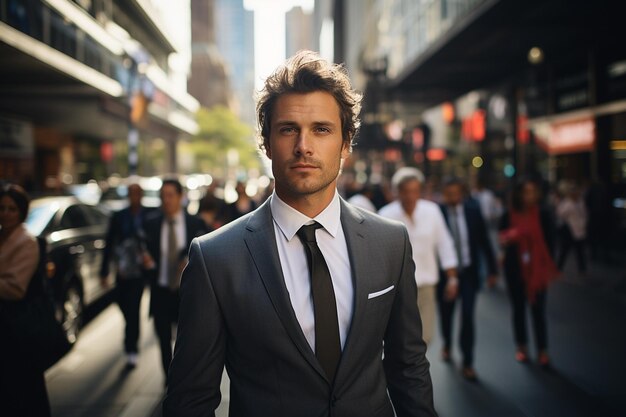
471, 243
363, 198
430, 240
169, 232
243, 205
491, 209
527, 236
572, 213
125, 246
22, 384
209, 211
300, 298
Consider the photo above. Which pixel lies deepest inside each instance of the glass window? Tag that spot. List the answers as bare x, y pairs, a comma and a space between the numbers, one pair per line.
73, 217
94, 216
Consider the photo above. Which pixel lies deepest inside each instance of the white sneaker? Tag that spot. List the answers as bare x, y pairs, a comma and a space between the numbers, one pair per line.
131, 360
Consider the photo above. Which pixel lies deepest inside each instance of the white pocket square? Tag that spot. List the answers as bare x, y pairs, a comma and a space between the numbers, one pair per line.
379, 293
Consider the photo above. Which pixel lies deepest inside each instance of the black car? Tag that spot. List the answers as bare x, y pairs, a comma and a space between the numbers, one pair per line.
75, 233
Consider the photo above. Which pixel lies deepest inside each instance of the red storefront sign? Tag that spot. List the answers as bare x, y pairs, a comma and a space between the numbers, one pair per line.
474, 126
570, 136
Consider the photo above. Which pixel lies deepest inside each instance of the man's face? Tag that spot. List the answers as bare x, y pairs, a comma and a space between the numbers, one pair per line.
408, 194
170, 200
453, 194
134, 195
306, 145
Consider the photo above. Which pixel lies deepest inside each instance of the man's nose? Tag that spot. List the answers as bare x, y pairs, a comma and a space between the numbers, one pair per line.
303, 144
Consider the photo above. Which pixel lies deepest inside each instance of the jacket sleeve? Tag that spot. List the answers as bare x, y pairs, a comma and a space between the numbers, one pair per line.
445, 244
405, 363
196, 370
110, 243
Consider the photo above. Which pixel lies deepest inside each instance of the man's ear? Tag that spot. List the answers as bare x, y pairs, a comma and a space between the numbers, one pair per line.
345, 150
268, 150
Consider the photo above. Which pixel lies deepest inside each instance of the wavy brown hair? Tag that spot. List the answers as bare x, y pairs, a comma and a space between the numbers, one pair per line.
306, 72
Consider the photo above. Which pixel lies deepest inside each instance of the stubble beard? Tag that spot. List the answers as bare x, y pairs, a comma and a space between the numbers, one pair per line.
310, 184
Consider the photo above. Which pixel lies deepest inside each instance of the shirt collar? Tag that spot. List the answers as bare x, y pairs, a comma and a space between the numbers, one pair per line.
290, 220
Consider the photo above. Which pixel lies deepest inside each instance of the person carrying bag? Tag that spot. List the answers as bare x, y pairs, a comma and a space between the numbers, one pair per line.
31, 339
31, 322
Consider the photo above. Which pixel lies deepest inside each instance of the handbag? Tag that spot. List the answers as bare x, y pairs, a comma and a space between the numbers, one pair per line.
30, 324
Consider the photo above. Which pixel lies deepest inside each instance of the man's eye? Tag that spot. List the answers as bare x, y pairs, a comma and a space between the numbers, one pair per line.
287, 130
322, 129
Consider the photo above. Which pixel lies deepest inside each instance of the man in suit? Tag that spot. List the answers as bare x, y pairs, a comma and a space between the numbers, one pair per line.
470, 237
300, 298
168, 234
123, 245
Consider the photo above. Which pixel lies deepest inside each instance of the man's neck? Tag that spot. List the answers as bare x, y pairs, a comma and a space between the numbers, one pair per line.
309, 205
409, 210
172, 215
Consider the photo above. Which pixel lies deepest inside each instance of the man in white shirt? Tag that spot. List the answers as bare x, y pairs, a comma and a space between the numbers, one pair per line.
300, 298
431, 242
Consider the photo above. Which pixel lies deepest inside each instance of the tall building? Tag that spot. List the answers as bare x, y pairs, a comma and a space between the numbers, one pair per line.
298, 31
81, 80
208, 82
234, 35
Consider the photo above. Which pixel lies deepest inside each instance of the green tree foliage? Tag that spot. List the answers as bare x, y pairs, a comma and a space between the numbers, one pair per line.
219, 131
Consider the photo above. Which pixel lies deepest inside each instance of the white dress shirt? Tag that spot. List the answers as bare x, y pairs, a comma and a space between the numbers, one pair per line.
181, 239
429, 236
332, 243
459, 216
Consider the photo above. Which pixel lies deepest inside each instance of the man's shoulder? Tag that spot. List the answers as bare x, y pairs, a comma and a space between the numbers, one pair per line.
153, 218
378, 222
194, 220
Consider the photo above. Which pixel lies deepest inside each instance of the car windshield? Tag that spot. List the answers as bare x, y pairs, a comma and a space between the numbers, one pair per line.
39, 216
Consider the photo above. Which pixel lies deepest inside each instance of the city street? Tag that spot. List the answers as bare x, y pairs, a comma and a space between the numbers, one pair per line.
92, 380
587, 342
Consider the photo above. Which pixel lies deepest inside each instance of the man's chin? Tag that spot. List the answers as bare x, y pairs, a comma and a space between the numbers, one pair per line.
305, 187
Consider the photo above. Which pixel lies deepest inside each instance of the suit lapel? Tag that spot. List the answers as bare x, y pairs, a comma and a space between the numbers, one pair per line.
354, 231
261, 243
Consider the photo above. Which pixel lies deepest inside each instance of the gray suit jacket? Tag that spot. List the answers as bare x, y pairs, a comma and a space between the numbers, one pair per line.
235, 311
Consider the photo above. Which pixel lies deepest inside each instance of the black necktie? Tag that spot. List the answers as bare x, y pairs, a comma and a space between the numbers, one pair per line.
172, 255
327, 344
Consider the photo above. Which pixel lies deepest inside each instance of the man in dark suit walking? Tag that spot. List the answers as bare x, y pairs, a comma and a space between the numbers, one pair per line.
123, 246
469, 232
168, 233
300, 298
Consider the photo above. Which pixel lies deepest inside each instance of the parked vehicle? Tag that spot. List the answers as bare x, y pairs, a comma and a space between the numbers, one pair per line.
75, 233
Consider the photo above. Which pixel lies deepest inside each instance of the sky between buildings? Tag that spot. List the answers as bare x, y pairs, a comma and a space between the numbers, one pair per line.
269, 33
